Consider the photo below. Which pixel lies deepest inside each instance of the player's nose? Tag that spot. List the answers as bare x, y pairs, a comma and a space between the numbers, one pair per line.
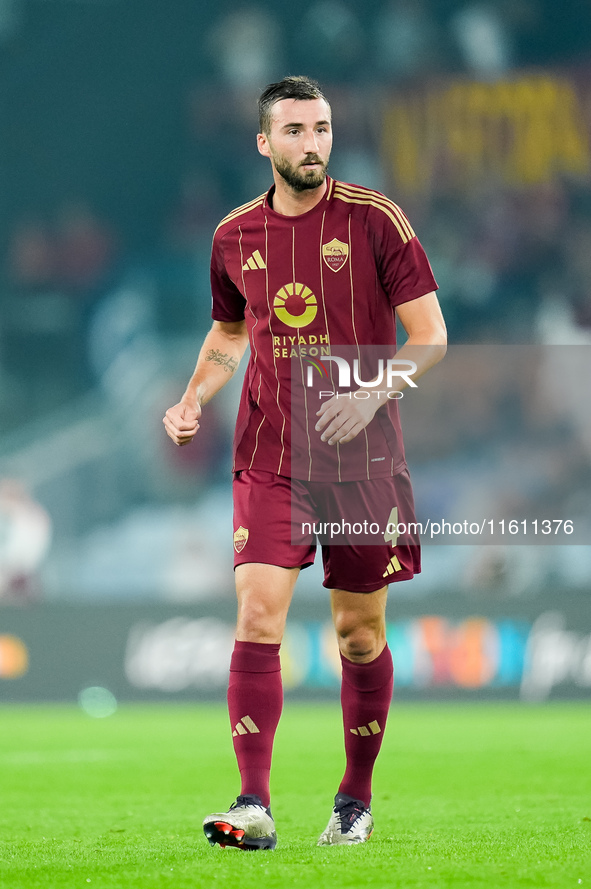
311, 143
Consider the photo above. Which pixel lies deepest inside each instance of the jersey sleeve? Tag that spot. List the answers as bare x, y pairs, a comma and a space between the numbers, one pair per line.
228, 303
405, 271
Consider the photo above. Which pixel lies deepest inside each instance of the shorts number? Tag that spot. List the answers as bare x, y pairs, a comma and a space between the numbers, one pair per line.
391, 533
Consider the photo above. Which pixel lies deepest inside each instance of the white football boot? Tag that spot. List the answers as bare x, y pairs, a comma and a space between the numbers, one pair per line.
350, 822
247, 825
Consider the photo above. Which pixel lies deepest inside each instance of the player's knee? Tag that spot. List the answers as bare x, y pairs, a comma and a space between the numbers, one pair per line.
258, 621
359, 643
360, 648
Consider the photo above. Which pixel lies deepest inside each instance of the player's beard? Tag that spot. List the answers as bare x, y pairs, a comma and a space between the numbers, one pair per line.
301, 180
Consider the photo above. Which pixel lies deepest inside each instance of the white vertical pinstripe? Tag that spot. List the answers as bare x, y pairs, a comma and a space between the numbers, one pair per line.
299, 353
321, 261
270, 310
255, 354
355, 335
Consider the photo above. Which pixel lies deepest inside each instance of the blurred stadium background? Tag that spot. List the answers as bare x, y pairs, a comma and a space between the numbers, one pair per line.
128, 132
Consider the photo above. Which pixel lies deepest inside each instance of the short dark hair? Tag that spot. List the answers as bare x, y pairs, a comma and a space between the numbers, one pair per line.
292, 87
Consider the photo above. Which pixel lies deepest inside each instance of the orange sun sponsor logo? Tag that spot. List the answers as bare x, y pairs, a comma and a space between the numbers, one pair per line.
335, 254
295, 305
240, 539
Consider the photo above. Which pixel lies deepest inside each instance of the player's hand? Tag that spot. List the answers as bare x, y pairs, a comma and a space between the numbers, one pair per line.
182, 422
342, 419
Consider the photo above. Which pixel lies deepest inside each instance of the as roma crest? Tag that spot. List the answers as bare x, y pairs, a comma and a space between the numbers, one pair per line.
240, 539
335, 254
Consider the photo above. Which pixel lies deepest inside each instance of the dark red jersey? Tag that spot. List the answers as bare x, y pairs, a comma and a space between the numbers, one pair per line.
306, 286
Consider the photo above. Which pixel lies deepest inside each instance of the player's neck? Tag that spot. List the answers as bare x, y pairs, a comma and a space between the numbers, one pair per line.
290, 202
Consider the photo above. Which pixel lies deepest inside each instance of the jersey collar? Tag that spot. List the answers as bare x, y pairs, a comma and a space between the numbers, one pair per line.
268, 208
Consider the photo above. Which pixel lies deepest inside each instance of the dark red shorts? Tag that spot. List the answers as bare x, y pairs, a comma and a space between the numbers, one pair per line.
277, 521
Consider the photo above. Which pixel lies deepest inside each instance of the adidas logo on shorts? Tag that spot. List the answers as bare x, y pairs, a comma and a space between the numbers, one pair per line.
393, 566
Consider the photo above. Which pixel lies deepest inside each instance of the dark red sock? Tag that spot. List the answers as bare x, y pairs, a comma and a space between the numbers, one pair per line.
366, 692
255, 701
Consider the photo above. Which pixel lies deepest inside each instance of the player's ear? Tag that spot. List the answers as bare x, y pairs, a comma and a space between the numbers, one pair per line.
263, 145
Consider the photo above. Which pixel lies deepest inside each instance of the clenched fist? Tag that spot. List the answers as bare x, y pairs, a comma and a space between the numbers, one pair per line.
182, 422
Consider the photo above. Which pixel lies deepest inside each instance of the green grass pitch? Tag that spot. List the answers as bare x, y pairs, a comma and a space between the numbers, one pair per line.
464, 795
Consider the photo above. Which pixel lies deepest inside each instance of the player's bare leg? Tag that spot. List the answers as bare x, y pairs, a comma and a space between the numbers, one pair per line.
255, 700
360, 623
366, 692
264, 594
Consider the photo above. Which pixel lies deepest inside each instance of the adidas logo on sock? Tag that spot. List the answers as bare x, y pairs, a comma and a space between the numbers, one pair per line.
255, 261
245, 726
393, 565
372, 729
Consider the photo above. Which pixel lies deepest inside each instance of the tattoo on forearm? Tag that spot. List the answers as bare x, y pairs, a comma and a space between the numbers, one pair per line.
228, 362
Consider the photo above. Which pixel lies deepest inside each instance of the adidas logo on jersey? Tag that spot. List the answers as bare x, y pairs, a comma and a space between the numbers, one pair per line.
393, 565
245, 726
372, 729
255, 261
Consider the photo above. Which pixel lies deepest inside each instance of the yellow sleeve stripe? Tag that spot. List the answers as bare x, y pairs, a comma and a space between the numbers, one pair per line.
239, 211
363, 192
349, 200
374, 199
382, 200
